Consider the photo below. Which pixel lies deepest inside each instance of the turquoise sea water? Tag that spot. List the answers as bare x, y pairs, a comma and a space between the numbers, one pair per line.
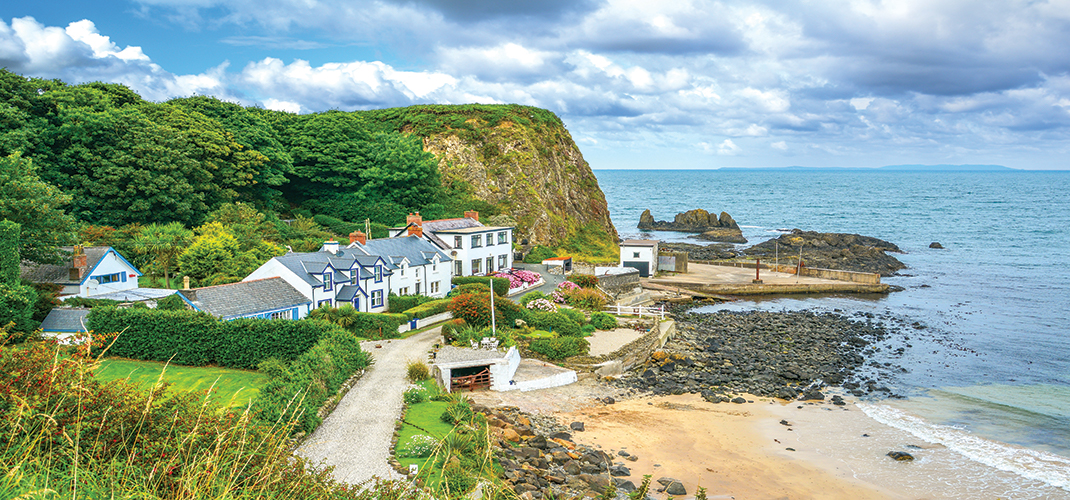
993, 359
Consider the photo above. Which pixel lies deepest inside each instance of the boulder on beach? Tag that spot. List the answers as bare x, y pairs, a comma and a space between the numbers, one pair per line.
900, 456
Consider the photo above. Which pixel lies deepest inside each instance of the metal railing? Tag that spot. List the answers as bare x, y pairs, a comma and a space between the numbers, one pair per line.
657, 312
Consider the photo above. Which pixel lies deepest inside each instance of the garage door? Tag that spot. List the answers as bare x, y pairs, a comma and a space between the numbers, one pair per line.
643, 267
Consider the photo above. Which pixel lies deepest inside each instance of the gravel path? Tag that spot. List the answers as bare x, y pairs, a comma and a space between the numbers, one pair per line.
355, 437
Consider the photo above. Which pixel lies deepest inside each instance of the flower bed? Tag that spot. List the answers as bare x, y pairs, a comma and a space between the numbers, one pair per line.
520, 278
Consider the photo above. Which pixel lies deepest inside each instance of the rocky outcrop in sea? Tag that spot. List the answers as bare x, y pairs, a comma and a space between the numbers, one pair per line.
845, 252
789, 355
712, 227
716, 251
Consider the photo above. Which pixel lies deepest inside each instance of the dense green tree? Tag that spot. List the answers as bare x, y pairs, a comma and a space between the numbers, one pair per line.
164, 242
247, 224
212, 253
17, 301
147, 162
35, 205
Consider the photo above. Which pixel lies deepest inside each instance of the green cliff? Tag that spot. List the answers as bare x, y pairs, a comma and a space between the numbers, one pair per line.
522, 161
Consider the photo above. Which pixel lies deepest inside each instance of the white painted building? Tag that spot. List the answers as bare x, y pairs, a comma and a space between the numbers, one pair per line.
92, 271
641, 255
476, 250
417, 267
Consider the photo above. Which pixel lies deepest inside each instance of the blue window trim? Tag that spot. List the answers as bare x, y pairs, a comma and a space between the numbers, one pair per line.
377, 294
328, 285
113, 278
324, 301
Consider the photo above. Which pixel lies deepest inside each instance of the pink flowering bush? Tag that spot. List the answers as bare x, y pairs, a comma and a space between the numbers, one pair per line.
559, 296
519, 278
542, 305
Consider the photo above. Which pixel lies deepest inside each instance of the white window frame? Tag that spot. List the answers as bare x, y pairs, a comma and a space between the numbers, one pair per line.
377, 298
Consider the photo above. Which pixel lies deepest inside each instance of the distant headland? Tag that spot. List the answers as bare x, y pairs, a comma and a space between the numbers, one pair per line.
888, 168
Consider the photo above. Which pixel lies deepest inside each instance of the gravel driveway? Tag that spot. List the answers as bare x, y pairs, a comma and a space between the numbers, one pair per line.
355, 438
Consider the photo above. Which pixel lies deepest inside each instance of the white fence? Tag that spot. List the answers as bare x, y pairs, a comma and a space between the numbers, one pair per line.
657, 312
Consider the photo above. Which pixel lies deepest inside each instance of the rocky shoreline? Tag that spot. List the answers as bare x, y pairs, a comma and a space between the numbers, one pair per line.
846, 252
787, 355
710, 226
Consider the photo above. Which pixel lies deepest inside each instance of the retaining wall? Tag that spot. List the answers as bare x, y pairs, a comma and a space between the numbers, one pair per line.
833, 274
616, 283
629, 355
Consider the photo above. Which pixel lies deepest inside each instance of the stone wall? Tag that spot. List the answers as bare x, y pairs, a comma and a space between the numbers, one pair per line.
629, 355
833, 274
616, 283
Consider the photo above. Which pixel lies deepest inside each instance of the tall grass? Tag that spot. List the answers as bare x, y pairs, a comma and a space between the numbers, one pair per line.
64, 434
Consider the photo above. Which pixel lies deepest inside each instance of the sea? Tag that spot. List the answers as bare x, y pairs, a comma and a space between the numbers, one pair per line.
985, 320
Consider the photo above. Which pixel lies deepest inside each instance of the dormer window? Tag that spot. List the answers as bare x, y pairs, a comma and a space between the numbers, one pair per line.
328, 285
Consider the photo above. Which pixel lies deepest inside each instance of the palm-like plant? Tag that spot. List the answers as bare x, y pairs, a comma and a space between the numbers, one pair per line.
165, 242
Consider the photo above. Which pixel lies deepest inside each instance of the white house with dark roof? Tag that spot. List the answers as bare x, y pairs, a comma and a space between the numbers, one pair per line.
417, 267
92, 271
333, 276
476, 249
641, 255
270, 298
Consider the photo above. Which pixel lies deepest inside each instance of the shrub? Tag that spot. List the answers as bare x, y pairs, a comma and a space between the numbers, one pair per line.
304, 385
428, 309
458, 411
402, 303
368, 325
501, 285
542, 305
471, 288
539, 254
574, 315
16, 306
419, 446
530, 296
414, 395
586, 298
171, 303
417, 371
474, 309
554, 322
585, 280
450, 329
587, 330
561, 347
603, 321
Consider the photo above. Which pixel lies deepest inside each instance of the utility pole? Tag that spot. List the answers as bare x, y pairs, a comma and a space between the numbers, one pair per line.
368, 228
493, 328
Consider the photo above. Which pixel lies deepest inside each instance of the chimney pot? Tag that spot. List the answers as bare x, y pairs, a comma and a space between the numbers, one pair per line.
414, 219
185, 282
472, 214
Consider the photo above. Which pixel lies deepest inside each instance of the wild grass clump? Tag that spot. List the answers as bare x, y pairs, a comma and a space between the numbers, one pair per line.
64, 434
417, 371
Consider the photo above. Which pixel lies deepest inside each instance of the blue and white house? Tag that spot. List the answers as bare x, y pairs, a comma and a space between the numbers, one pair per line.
92, 272
416, 266
475, 249
271, 298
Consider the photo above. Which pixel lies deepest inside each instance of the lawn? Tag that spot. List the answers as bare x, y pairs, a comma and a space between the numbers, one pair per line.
539, 334
232, 387
422, 418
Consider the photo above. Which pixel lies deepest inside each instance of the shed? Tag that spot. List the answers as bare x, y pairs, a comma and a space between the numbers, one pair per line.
641, 255
63, 322
565, 263
457, 368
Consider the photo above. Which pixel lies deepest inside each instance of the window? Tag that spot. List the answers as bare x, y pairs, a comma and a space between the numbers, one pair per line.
635, 255
490, 240
403, 270
475, 266
327, 284
458, 270
378, 274
434, 286
403, 291
107, 278
477, 240
457, 242
377, 298
503, 238
324, 303
490, 264
501, 262
416, 288
434, 266
282, 315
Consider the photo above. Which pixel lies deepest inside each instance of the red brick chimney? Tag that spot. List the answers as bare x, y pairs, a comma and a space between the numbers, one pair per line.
418, 231
414, 219
358, 237
472, 214
79, 264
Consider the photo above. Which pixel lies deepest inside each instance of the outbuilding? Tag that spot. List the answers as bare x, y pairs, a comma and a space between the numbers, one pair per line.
641, 255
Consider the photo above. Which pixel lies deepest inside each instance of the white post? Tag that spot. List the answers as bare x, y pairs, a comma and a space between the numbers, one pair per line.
493, 329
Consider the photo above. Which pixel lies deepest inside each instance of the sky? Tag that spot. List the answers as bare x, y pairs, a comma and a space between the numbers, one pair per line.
639, 84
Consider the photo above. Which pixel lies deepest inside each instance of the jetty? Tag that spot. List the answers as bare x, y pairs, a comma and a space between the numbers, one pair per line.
741, 278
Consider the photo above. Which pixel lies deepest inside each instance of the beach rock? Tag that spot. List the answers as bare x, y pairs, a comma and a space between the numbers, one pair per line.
576, 426
619, 471
676, 488
841, 251
936, 245
812, 395
785, 422
738, 400
900, 456
719, 228
561, 435
717, 251
624, 485
597, 482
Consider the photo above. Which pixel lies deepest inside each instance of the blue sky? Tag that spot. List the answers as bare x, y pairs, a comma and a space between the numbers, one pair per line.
640, 84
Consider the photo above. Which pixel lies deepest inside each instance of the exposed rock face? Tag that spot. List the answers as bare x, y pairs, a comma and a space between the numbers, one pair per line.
718, 251
846, 252
535, 173
713, 227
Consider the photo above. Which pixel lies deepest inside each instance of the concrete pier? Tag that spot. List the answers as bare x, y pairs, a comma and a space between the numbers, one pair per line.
706, 279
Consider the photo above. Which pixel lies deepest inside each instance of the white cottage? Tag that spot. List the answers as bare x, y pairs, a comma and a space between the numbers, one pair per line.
476, 249
92, 272
641, 255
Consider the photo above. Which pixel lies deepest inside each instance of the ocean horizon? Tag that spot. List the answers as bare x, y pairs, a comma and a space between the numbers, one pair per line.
984, 320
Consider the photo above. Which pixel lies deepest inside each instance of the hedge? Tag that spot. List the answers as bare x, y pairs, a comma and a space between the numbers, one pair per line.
554, 322
603, 321
428, 309
561, 347
362, 324
195, 338
501, 285
401, 303
298, 389
574, 315
9, 252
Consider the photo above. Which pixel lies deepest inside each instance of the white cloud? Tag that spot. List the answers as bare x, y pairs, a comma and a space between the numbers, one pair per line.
728, 148
780, 145
278, 105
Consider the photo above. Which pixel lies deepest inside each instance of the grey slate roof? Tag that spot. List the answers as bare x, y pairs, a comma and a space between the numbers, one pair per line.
347, 292
60, 275
65, 320
245, 297
430, 227
418, 250
307, 265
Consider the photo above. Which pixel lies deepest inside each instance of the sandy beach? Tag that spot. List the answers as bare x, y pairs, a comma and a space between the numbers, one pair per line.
724, 448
